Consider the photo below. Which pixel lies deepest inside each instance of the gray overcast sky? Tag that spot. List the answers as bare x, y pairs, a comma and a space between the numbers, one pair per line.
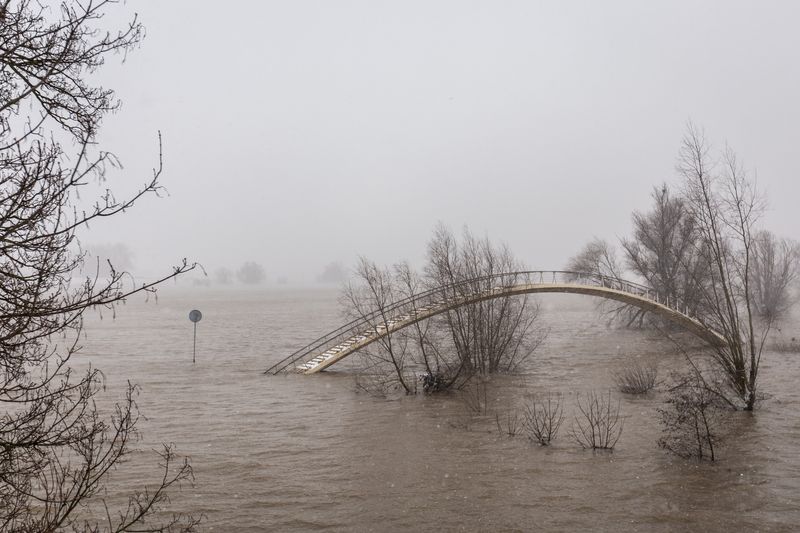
297, 133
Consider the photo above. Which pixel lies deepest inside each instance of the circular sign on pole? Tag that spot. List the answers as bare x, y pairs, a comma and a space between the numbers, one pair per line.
195, 316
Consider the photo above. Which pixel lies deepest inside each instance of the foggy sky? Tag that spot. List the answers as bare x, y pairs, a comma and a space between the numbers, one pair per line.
298, 133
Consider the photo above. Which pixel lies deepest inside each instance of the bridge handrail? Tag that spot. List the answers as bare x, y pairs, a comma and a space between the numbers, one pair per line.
357, 322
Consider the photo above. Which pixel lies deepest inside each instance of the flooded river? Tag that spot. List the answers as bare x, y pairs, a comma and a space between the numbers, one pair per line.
307, 453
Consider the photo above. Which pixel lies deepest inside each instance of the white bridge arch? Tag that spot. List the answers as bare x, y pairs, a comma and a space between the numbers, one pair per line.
353, 336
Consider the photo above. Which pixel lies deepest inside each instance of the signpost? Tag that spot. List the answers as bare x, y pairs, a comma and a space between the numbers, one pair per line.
195, 316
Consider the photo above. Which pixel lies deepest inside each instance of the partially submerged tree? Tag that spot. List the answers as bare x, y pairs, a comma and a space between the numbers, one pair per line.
597, 258
776, 268
663, 250
442, 370
478, 336
703, 250
597, 262
726, 207
491, 335
56, 446
369, 299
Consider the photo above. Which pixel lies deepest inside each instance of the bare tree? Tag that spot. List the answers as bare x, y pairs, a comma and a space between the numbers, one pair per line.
775, 269
663, 250
598, 260
597, 257
442, 370
56, 447
490, 335
369, 298
726, 208
473, 336
251, 273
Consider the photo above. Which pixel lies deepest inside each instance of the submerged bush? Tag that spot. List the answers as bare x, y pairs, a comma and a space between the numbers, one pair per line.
691, 419
637, 377
512, 426
543, 418
434, 382
598, 424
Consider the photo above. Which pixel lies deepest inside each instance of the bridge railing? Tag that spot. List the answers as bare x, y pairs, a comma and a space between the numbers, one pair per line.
459, 290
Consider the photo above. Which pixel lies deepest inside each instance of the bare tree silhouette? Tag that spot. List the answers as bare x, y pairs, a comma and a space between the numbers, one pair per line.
56, 446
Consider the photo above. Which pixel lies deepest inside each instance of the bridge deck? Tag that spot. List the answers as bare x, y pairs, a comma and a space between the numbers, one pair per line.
337, 345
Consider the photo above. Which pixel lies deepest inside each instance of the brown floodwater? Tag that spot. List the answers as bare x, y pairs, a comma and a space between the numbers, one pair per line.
308, 453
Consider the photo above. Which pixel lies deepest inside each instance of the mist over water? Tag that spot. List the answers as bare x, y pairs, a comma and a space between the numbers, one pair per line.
299, 453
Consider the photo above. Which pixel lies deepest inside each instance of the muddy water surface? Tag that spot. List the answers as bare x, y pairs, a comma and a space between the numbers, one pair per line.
306, 453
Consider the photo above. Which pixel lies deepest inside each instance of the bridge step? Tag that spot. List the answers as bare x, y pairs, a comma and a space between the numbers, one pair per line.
378, 329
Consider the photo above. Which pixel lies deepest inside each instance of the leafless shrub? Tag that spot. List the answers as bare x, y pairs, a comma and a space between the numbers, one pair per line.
476, 398
691, 419
513, 423
598, 425
543, 418
636, 377
434, 382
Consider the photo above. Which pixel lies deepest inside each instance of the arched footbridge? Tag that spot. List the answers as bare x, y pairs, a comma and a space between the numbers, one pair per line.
353, 336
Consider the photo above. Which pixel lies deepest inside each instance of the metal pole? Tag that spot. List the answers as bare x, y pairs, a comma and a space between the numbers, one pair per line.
194, 343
